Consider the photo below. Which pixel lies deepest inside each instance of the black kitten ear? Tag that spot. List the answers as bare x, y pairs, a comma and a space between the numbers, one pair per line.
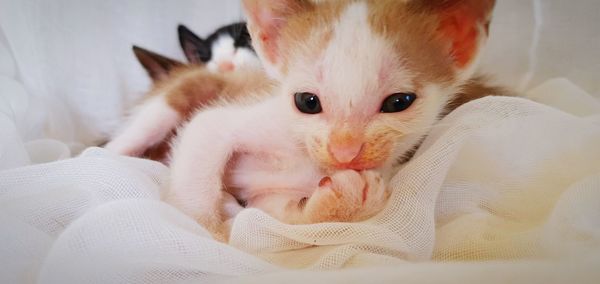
196, 49
157, 66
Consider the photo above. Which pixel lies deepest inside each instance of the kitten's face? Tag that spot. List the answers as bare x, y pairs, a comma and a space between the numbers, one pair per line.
365, 79
227, 49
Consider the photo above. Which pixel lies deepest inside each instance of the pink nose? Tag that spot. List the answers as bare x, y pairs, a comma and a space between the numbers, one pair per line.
226, 66
345, 153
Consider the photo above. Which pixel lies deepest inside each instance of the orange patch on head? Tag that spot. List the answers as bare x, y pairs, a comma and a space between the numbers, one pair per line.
411, 33
286, 29
267, 20
433, 35
306, 35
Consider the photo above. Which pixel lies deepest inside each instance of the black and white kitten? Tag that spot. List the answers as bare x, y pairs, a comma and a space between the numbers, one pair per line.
227, 49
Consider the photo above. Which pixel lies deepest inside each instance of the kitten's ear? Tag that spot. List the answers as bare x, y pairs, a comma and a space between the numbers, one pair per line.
157, 66
266, 20
463, 24
196, 49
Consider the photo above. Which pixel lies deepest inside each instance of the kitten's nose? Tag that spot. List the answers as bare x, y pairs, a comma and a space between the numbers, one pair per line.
226, 66
345, 153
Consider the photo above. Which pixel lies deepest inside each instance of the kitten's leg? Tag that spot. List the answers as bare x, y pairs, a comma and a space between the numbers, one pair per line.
200, 156
149, 126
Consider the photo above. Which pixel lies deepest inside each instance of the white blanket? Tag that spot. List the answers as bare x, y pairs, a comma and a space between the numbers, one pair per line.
502, 179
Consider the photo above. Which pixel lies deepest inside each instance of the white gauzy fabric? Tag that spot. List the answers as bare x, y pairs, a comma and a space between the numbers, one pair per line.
24, 119
502, 179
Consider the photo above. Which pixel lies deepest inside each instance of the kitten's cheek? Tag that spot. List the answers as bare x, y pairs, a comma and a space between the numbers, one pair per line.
318, 152
375, 154
370, 158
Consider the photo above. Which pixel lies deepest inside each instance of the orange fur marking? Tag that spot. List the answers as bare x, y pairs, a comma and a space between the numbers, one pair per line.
409, 30
270, 18
474, 89
296, 19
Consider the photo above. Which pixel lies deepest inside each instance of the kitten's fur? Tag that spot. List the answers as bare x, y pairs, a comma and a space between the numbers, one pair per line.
334, 165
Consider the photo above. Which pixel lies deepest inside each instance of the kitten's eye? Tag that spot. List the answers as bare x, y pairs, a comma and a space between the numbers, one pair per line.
398, 102
308, 103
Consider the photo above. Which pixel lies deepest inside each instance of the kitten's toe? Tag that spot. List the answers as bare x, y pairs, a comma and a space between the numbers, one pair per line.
375, 195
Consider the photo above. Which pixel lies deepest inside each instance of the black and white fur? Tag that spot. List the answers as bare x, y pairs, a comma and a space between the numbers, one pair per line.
227, 49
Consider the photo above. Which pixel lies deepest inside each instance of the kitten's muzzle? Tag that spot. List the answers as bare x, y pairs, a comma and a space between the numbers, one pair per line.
346, 153
349, 157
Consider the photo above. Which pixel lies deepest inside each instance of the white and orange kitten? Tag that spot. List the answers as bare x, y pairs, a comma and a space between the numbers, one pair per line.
359, 85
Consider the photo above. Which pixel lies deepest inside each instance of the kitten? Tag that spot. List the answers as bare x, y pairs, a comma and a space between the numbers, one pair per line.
180, 89
227, 49
177, 92
359, 85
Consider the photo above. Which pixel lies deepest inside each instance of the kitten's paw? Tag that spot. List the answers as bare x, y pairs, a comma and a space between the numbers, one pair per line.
346, 196
375, 195
338, 198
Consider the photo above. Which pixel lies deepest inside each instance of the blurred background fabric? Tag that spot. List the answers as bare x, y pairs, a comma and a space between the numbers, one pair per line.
76, 55
74, 59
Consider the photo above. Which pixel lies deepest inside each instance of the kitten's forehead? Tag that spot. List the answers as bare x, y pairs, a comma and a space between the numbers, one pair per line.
357, 62
410, 32
362, 51
351, 63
